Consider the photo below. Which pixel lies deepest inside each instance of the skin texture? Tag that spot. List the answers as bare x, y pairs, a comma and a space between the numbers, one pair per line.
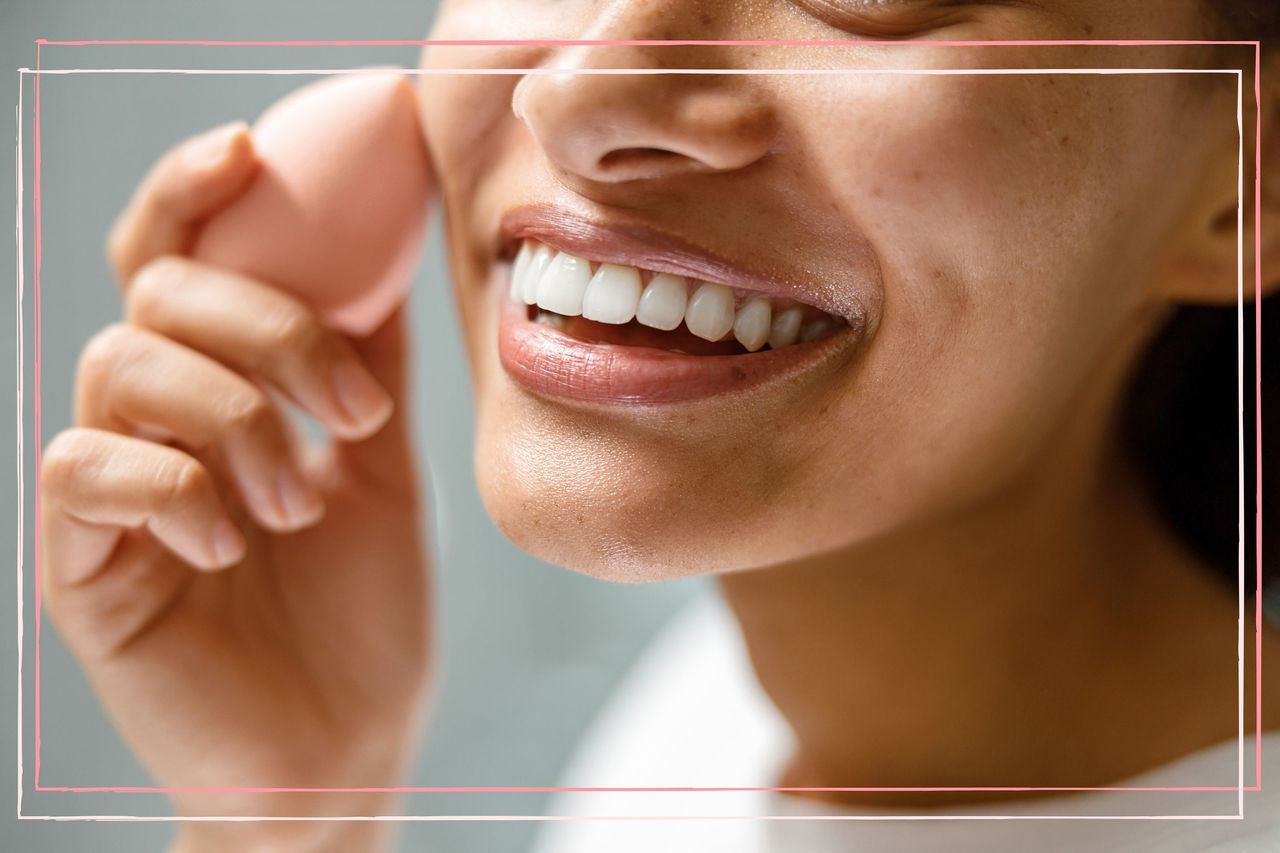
918, 211
941, 514
240, 658
938, 518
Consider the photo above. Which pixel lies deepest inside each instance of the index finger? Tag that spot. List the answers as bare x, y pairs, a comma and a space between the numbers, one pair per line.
190, 183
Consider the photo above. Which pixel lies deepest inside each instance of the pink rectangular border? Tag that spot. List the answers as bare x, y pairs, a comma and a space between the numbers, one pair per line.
37, 246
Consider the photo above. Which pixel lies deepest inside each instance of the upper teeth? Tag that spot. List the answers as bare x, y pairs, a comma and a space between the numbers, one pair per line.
614, 293
709, 314
663, 303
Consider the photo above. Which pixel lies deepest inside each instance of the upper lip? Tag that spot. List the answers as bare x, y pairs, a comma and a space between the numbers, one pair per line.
639, 245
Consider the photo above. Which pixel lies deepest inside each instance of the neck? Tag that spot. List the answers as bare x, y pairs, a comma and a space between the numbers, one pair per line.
1054, 636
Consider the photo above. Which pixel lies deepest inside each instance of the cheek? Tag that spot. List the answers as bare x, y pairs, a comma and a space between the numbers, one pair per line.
980, 193
459, 114
459, 110
1015, 221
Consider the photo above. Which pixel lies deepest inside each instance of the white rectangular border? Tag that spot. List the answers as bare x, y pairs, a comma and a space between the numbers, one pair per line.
21, 426
1239, 74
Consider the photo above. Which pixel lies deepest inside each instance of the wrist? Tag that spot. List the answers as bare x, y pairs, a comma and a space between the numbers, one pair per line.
329, 822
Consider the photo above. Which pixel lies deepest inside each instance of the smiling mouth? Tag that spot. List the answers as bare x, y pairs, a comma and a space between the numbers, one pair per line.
607, 303
623, 314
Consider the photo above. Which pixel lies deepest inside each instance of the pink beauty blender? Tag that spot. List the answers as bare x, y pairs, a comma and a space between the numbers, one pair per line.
337, 214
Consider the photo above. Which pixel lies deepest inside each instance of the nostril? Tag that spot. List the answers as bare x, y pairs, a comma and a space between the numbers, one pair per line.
615, 128
625, 163
626, 155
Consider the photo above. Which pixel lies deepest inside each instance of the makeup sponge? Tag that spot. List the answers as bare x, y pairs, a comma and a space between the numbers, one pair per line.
337, 214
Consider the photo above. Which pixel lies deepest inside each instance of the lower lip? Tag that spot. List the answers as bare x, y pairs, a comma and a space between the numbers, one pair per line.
549, 362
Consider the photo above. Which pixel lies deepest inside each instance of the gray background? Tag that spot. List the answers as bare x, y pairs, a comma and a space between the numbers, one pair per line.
529, 650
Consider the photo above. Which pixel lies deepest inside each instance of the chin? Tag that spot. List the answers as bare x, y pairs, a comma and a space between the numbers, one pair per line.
615, 512
598, 520
605, 551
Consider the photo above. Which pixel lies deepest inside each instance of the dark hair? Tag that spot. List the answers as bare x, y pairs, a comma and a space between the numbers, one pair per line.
1180, 421
1247, 19
1180, 424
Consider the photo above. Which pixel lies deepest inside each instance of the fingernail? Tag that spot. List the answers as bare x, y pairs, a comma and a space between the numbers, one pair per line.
208, 151
365, 404
298, 500
227, 543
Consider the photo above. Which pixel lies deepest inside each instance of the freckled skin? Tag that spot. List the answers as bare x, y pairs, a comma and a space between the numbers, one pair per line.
941, 512
982, 285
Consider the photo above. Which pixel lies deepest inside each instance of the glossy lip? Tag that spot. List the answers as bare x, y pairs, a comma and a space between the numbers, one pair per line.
548, 362
641, 246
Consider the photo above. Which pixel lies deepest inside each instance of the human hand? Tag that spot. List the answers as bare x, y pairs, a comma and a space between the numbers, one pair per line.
251, 607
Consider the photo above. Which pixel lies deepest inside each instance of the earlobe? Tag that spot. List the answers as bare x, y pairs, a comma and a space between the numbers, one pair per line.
1262, 198
1204, 267
1268, 199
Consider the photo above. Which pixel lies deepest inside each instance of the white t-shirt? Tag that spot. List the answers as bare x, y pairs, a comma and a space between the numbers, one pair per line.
691, 714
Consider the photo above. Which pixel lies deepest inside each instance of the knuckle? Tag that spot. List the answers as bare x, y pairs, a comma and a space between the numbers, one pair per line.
296, 332
156, 278
68, 460
250, 413
105, 352
183, 482
147, 292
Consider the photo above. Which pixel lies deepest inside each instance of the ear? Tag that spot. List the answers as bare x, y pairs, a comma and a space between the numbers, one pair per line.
1204, 270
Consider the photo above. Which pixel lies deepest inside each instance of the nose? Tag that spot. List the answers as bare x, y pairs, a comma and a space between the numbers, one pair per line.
617, 127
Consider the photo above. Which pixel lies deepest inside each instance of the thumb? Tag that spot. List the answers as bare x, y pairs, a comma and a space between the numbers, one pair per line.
387, 457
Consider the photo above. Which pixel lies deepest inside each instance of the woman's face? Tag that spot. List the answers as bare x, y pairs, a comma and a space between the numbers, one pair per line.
965, 252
